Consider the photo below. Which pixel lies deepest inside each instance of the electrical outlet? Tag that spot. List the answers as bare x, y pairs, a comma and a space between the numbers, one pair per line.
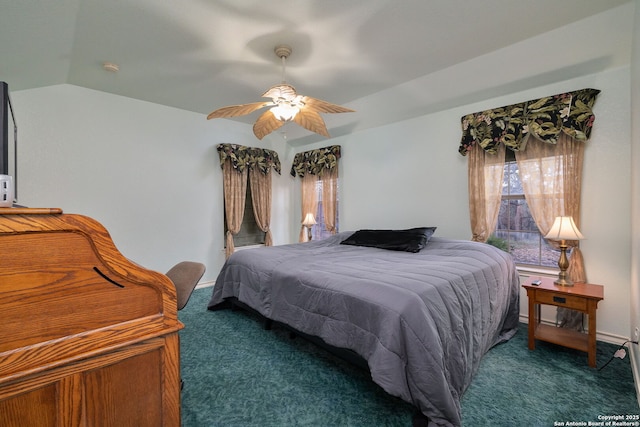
636, 334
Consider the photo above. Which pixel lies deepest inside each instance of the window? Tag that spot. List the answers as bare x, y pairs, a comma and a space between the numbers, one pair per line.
319, 231
250, 233
516, 231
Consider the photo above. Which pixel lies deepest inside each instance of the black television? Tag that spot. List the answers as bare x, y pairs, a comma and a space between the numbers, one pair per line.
8, 138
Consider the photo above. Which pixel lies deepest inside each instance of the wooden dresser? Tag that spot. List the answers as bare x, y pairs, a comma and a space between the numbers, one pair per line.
87, 338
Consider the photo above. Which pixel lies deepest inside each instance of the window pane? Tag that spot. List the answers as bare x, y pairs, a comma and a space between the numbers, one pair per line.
549, 257
319, 231
529, 248
250, 233
524, 246
511, 184
514, 215
516, 231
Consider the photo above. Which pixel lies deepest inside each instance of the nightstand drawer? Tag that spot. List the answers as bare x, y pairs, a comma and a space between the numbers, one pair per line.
568, 301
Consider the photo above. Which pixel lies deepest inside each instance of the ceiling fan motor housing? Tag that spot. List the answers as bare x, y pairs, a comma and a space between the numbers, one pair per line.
283, 51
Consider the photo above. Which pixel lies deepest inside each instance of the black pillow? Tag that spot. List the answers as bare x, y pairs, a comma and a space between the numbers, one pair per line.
410, 240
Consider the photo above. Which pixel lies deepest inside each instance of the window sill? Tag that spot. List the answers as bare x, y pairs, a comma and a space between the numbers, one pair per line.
242, 248
531, 270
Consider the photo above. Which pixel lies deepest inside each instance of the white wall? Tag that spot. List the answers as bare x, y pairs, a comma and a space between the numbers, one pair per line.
149, 173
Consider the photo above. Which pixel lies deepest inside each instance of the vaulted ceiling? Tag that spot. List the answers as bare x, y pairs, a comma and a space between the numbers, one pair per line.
199, 55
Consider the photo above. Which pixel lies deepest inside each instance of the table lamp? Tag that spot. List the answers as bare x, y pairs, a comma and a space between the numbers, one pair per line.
309, 221
563, 229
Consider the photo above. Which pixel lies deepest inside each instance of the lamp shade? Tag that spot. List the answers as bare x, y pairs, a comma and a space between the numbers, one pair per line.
564, 228
309, 220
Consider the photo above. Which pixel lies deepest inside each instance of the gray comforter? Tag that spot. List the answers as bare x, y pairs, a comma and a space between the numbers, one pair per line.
422, 320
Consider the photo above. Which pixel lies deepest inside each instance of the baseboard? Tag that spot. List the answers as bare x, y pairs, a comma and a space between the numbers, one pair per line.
206, 284
600, 336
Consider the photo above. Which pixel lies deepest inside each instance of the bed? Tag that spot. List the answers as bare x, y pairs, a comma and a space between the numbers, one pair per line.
422, 319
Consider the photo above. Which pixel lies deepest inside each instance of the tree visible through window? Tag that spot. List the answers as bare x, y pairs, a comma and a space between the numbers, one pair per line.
516, 231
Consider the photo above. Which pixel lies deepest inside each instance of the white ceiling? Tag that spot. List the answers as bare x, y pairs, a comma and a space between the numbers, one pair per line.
199, 55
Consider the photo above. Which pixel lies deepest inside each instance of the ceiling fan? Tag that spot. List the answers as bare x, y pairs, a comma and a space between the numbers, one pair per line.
286, 105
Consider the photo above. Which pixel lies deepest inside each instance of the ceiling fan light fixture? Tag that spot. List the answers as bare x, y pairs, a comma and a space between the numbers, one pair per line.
284, 111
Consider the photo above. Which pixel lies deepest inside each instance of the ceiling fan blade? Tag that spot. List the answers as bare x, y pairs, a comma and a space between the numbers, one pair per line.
266, 124
238, 110
324, 106
310, 120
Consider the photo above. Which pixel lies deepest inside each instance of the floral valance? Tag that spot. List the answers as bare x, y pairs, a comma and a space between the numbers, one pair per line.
543, 118
315, 162
249, 157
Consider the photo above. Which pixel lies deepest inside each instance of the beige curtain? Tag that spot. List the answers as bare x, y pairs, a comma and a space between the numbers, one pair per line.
309, 201
329, 198
260, 185
485, 190
235, 190
551, 176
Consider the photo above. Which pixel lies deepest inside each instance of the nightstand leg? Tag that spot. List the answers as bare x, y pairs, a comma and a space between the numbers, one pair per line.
533, 320
592, 334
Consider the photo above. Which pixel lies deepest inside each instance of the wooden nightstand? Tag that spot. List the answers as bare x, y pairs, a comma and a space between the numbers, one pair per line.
582, 297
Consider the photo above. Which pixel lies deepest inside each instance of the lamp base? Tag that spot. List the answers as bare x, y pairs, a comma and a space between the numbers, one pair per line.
562, 282
563, 265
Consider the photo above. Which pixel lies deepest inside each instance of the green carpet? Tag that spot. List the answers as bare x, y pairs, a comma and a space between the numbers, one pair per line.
238, 374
